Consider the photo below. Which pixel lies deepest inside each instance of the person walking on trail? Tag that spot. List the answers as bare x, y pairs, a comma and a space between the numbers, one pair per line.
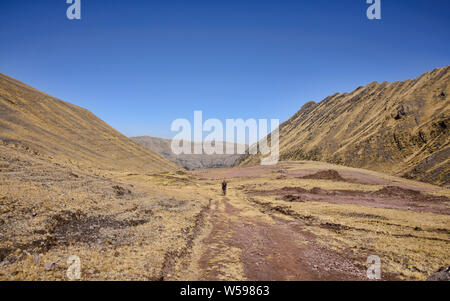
224, 187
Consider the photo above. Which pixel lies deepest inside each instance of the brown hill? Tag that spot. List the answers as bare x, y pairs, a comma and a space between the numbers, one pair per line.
400, 128
46, 126
189, 161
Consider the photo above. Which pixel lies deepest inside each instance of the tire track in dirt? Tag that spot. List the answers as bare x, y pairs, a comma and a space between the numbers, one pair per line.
246, 244
174, 258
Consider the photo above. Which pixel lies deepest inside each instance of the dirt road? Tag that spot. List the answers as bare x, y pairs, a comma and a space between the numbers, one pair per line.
293, 221
267, 229
242, 242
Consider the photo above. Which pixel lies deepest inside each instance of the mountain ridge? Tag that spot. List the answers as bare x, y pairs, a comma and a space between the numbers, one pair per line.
400, 128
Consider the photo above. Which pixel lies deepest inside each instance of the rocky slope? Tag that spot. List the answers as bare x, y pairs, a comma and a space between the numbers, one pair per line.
401, 128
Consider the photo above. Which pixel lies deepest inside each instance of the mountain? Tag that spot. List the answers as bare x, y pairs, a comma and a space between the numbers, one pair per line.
187, 161
72, 185
401, 128
46, 126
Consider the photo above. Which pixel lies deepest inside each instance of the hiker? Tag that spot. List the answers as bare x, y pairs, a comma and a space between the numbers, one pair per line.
224, 187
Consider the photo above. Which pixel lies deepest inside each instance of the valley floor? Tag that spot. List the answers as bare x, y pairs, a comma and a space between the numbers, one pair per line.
293, 221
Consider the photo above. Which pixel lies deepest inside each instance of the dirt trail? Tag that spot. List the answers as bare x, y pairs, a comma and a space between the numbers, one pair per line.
243, 243
317, 221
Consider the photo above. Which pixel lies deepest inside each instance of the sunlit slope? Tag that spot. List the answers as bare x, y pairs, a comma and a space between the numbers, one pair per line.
50, 127
400, 128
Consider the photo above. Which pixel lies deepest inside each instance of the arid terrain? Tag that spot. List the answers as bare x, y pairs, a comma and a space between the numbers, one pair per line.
400, 128
72, 185
295, 221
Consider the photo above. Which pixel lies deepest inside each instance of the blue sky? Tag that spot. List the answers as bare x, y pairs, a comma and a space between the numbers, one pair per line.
139, 65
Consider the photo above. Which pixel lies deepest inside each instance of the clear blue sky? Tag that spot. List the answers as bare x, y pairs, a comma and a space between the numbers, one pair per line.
139, 65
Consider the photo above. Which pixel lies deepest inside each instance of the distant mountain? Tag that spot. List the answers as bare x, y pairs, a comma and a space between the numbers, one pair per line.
46, 126
190, 162
400, 128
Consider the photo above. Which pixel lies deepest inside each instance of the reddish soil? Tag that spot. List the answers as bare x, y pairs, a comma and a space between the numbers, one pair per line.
325, 175
285, 250
392, 197
236, 172
343, 176
274, 251
351, 176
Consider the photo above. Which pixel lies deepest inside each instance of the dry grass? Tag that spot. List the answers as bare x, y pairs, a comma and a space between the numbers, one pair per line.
58, 211
67, 134
71, 185
410, 244
400, 128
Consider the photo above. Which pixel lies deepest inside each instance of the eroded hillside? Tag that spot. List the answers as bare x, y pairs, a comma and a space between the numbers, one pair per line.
399, 128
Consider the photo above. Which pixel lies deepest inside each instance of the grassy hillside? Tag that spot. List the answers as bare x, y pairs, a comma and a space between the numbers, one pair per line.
46, 126
399, 128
